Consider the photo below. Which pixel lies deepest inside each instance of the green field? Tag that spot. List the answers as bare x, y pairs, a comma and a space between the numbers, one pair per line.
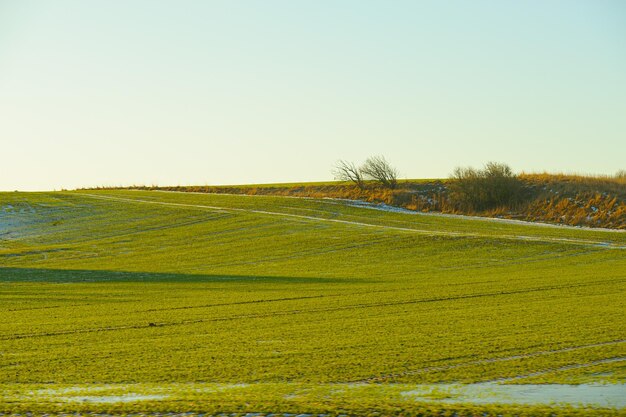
203, 303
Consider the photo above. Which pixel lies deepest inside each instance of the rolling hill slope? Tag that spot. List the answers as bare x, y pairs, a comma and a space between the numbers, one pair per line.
140, 290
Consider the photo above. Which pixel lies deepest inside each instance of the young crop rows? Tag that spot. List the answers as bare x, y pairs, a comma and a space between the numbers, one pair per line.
145, 302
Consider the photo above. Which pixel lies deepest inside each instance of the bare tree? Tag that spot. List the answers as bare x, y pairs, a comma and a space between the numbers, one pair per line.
347, 171
377, 168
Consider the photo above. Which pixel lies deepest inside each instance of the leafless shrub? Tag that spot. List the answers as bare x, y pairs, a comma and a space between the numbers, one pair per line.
377, 168
480, 189
347, 171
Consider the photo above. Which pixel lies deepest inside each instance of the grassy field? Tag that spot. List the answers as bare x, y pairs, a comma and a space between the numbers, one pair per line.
182, 302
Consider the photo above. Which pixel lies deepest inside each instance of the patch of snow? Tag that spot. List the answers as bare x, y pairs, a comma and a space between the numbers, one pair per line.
598, 395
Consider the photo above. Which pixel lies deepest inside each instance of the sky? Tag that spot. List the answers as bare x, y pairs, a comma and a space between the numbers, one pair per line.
147, 92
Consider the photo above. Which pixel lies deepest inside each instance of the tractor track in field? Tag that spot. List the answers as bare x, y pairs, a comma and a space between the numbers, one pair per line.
148, 229
391, 303
382, 378
544, 239
296, 312
11, 310
560, 369
236, 303
306, 253
271, 300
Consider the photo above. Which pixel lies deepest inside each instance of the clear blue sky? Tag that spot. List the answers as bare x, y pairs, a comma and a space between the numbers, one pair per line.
226, 92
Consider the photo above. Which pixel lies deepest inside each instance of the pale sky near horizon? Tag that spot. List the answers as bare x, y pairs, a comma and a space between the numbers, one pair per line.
244, 91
